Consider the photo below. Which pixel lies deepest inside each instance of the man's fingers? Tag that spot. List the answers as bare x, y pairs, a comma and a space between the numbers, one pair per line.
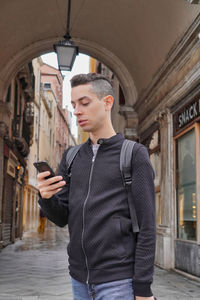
55, 186
51, 186
42, 175
53, 179
47, 195
43, 186
41, 178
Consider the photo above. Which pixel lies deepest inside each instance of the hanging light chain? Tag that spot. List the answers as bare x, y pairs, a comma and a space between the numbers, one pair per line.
67, 35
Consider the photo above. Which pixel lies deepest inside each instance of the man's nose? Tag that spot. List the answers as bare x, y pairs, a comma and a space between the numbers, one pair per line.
77, 110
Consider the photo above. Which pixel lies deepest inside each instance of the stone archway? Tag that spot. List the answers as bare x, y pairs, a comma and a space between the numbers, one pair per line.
87, 47
90, 48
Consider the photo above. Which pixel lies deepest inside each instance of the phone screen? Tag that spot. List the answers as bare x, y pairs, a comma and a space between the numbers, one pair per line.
43, 166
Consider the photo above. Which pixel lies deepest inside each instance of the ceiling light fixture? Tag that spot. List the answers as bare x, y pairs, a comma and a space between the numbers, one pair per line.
66, 50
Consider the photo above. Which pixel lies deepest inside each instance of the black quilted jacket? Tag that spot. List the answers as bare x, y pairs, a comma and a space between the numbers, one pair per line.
102, 246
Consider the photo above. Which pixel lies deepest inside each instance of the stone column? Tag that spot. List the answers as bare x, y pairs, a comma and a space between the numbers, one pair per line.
131, 122
165, 230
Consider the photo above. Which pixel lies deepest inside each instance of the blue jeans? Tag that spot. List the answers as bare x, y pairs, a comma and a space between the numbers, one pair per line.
114, 290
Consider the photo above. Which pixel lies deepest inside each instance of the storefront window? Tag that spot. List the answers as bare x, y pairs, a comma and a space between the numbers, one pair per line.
186, 186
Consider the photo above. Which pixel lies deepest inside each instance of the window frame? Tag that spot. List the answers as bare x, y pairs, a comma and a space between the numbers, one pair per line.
196, 127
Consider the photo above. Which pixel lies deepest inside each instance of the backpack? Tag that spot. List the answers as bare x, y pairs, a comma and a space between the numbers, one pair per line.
126, 171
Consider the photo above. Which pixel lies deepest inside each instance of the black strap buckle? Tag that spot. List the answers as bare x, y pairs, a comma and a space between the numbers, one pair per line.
127, 181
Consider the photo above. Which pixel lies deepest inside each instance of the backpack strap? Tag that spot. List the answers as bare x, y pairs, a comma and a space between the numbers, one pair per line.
126, 170
71, 153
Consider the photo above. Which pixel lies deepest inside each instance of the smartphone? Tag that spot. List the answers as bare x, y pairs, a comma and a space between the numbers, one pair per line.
43, 166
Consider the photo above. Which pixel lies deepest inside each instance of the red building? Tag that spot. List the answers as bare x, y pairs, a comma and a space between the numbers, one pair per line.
51, 78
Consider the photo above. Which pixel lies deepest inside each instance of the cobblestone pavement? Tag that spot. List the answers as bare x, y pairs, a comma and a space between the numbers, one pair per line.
35, 268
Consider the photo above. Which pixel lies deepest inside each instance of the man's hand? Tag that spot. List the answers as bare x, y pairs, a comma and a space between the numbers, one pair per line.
51, 186
144, 298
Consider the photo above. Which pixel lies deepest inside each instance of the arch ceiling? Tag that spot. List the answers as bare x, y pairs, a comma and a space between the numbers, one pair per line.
139, 33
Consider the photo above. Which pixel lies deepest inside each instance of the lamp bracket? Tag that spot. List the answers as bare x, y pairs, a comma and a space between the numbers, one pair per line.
67, 36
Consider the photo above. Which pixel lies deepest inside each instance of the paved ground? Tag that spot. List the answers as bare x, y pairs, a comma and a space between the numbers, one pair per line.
36, 269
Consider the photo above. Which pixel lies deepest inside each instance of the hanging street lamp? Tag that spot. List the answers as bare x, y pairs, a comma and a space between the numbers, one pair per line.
66, 50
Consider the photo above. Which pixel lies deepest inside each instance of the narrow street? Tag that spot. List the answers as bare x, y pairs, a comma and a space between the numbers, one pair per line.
35, 268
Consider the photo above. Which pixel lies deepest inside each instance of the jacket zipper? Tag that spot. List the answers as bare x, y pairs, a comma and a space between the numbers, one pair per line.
84, 205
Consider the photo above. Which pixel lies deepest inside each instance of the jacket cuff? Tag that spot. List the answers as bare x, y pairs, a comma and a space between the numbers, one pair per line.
46, 202
142, 289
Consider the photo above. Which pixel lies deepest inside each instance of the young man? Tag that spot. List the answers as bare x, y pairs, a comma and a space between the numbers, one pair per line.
107, 261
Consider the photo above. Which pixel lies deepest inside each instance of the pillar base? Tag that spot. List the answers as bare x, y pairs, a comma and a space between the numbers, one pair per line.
164, 253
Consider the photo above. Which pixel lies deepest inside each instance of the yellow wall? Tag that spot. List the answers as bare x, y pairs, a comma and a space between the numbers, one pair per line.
93, 64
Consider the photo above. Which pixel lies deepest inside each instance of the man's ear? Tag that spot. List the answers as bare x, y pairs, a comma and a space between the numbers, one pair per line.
108, 102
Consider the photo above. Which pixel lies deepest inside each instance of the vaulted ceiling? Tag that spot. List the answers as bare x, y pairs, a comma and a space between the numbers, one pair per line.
139, 33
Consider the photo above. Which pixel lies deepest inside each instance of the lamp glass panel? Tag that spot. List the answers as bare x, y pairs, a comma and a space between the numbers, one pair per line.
66, 56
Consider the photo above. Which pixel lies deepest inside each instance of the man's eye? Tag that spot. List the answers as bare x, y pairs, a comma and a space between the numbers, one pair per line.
85, 103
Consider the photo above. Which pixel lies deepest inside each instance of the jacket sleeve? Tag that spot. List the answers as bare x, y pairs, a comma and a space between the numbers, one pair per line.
56, 207
144, 199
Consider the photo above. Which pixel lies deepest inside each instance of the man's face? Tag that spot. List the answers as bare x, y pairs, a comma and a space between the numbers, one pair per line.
88, 108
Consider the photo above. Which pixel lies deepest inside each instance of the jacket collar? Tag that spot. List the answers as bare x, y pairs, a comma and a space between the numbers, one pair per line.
112, 140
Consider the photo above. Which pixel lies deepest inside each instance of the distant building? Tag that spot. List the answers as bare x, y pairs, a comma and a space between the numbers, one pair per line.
52, 79
51, 133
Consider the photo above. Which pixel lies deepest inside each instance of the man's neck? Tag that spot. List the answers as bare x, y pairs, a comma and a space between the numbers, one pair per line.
95, 136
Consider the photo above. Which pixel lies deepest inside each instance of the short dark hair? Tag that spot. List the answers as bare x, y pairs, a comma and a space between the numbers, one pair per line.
100, 84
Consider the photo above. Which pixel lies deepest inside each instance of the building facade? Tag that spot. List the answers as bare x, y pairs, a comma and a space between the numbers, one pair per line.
169, 125
16, 115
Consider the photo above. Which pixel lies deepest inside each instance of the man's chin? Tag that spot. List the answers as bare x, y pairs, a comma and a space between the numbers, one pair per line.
86, 129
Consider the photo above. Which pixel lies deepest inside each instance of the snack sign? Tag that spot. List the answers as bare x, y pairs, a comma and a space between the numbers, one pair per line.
187, 114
